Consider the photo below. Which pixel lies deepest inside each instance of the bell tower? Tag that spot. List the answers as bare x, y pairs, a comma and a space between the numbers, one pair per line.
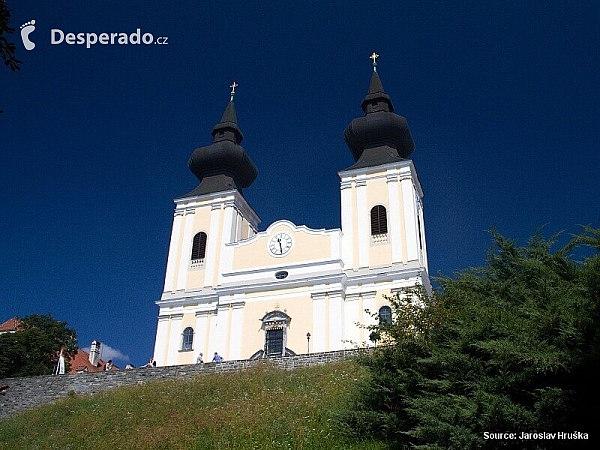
215, 213
381, 196
212, 215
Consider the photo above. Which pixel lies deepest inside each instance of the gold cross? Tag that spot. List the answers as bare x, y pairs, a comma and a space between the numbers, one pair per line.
374, 57
233, 86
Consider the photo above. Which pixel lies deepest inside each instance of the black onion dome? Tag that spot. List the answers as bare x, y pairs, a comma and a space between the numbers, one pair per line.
380, 136
223, 165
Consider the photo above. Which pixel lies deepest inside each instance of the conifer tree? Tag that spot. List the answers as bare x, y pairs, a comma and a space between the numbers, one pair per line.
512, 346
7, 48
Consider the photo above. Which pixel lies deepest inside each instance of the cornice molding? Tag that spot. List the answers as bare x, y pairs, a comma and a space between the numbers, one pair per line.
271, 286
217, 200
402, 169
293, 228
277, 267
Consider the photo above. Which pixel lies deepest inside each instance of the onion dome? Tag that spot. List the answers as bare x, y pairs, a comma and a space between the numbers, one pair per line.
380, 136
223, 165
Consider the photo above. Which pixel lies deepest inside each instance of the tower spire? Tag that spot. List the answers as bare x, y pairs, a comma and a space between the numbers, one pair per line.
380, 136
223, 165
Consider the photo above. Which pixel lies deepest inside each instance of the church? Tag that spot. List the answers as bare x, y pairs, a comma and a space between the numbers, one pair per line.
246, 294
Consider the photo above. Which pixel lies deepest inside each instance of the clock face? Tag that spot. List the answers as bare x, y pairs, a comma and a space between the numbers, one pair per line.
280, 244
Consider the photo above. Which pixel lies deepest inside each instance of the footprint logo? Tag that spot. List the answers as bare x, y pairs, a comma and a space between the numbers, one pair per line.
26, 29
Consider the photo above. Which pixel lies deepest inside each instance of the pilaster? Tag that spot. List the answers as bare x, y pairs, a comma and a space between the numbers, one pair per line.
186, 247
174, 247
336, 320
394, 215
162, 341
235, 334
200, 344
319, 332
348, 214
220, 335
174, 339
369, 309
353, 316
410, 216
364, 232
213, 243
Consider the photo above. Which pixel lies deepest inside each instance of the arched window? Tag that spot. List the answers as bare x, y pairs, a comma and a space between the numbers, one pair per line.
188, 339
385, 315
378, 220
199, 246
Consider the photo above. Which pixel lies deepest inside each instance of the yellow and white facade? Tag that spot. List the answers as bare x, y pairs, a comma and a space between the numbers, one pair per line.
255, 294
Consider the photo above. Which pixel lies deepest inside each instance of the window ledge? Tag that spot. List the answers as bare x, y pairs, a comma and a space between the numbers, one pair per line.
197, 263
379, 239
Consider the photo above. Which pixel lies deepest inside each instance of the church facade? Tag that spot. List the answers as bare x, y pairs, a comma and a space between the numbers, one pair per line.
244, 293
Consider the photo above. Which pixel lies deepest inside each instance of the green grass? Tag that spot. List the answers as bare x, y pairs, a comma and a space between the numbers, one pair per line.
260, 408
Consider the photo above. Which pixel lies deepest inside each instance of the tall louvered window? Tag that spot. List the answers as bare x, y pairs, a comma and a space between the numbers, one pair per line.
378, 221
199, 246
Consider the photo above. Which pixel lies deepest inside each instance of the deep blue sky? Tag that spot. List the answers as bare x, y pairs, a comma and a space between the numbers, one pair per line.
502, 99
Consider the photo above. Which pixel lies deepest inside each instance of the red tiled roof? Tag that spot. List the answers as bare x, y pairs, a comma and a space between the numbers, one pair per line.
81, 363
10, 325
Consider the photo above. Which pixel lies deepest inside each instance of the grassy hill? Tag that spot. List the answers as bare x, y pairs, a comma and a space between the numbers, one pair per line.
260, 408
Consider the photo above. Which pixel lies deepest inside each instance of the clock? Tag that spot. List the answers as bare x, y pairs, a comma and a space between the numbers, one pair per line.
280, 244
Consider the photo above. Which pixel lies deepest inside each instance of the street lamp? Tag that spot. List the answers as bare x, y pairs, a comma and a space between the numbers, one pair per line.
308, 341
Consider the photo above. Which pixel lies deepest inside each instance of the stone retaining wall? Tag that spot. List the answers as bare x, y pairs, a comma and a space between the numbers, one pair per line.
28, 392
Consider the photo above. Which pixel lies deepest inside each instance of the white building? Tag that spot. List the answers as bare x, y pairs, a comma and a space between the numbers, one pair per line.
246, 294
